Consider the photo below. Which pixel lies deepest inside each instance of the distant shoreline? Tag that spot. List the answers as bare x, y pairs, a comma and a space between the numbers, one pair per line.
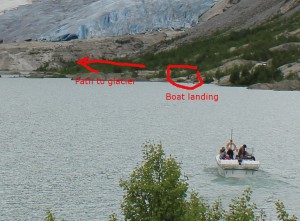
285, 85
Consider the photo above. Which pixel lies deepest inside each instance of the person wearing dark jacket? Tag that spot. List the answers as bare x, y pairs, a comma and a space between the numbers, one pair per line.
230, 153
243, 154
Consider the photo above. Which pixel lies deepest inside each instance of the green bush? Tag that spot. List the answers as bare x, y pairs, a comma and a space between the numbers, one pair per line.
282, 214
50, 216
235, 75
241, 209
208, 79
219, 74
134, 74
265, 74
240, 75
156, 190
285, 57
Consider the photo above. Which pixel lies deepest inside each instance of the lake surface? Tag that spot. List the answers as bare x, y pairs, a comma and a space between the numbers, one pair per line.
65, 147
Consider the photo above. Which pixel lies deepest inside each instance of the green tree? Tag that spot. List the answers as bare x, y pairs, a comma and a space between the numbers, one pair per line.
156, 190
264, 74
113, 217
235, 75
282, 214
134, 74
50, 216
197, 209
241, 209
219, 74
208, 78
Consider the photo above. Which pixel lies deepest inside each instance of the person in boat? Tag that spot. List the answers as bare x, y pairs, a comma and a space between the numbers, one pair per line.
243, 154
231, 149
230, 153
223, 153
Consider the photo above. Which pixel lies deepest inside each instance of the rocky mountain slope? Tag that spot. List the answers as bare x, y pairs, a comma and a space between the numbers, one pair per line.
28, 56
242, 54
234, 15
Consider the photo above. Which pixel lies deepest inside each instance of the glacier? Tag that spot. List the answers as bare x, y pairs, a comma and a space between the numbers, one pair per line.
59, 20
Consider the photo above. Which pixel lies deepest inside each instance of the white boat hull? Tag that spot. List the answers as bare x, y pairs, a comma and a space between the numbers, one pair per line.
237, 173
232, 168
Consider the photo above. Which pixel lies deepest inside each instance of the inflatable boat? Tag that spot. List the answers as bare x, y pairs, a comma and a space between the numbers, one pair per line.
234, 168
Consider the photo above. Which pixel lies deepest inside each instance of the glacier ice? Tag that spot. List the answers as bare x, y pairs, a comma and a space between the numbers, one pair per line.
58, 20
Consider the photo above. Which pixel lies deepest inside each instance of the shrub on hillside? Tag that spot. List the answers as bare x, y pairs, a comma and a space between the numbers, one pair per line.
241, 75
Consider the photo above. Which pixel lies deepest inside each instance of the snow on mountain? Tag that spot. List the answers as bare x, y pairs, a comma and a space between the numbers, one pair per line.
56, 20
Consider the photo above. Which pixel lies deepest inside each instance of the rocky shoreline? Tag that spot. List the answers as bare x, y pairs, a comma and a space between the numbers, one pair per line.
285, 85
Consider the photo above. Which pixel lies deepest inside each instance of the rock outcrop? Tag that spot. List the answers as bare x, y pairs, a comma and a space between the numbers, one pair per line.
290, 70
288, 5
225, 81
230, 64
220, 7
285, 85
286, 47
